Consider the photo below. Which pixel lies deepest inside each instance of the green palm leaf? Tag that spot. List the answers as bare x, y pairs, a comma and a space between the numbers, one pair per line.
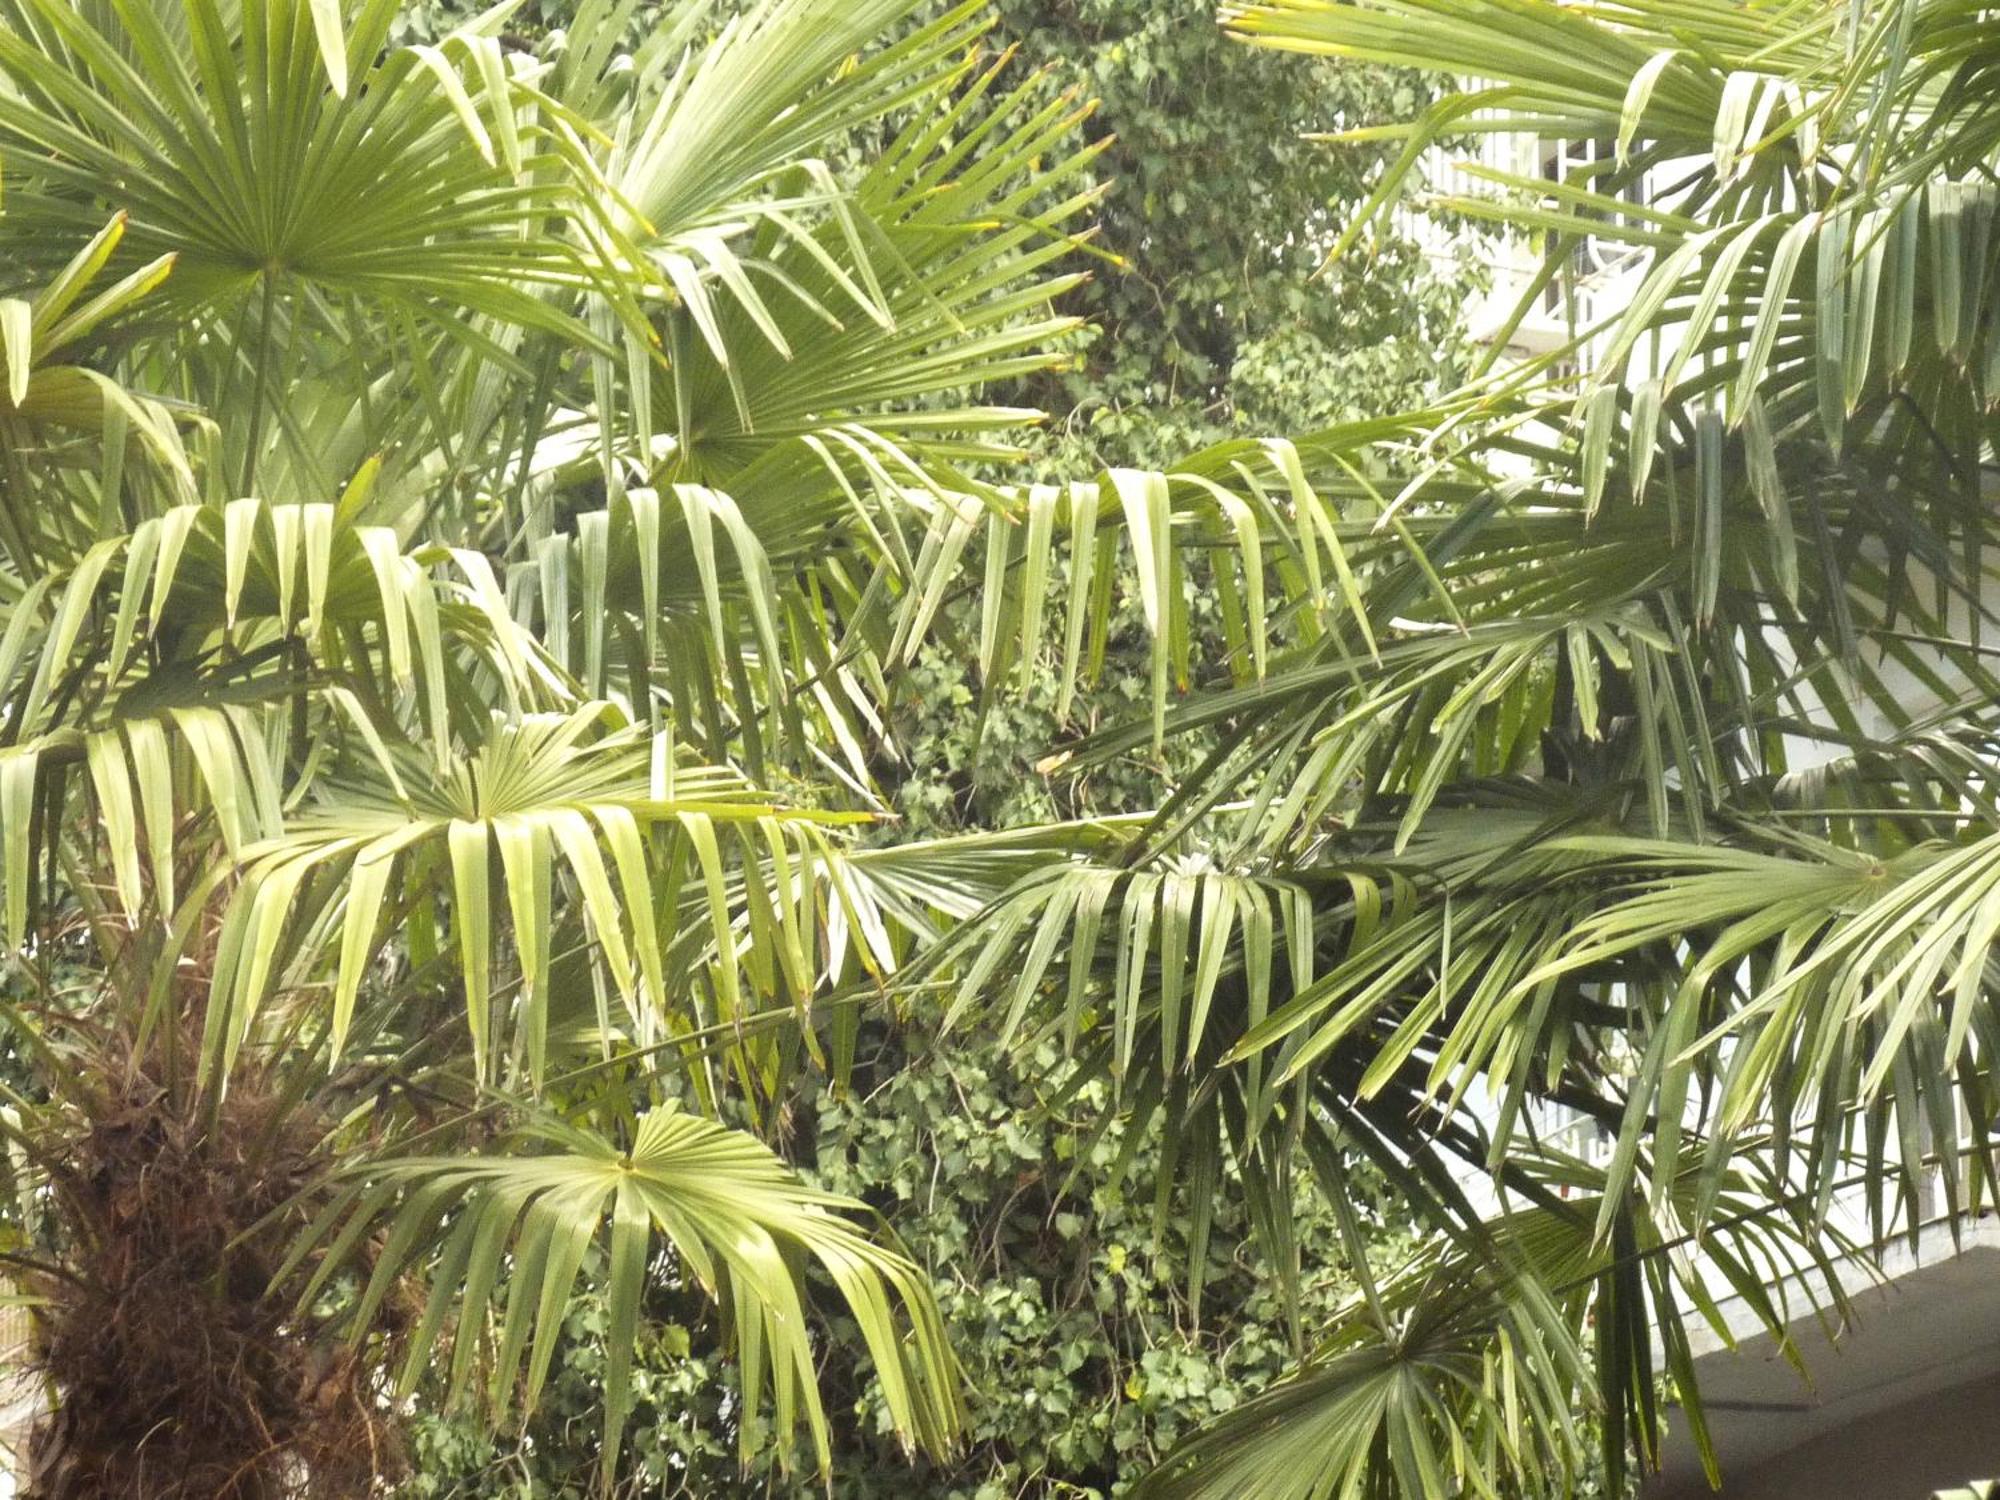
729, 1214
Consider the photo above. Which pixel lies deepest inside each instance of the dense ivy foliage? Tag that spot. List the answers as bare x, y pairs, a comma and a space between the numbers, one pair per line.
1221, 209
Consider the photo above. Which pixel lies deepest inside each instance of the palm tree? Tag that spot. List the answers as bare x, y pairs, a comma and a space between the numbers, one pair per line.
1627, 752
464, 512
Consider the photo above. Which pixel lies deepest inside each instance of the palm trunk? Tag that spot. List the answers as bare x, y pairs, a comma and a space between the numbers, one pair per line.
179, 1373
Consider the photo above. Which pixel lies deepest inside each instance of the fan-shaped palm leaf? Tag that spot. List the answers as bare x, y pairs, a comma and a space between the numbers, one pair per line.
732, 1217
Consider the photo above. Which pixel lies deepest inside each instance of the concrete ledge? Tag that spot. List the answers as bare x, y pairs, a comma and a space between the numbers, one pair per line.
1903, 1401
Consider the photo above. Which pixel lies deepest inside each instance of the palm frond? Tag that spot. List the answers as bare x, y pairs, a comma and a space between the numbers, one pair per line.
728, 1215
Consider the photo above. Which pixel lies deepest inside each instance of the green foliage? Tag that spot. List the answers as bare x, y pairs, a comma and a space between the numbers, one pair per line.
1206, 326
1220, 213
1066, 1280
422, 479
1212, 310
514, 522
975, 757
1063, 1287
1614, 735
428, 20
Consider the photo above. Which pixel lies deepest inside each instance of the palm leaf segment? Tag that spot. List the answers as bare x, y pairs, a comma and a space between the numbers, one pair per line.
411, 794
52, 407
300, 218
1464, 1365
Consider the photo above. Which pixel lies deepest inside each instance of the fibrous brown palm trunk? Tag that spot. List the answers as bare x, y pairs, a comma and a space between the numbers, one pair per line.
179, 1373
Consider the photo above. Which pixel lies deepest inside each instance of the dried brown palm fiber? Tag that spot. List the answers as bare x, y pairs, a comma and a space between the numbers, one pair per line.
180, 1375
